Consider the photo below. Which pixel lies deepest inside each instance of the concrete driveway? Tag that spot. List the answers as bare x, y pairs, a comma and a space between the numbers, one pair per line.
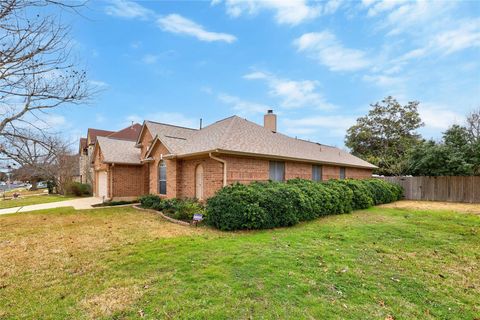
77, 204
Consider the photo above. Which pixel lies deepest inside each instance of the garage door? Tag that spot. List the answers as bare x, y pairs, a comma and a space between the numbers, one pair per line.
102, 184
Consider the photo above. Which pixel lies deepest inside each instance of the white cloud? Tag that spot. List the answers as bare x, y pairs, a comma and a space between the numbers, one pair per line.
48, 122
150, 59
128, 9
436, 116
177, 24
98, 83
135, 44
332, 6
416, 16
383, 80
293, 94
243, 107
466, 35
329, 126
378, 7
290, 12
327, 50
99, 118
134, 118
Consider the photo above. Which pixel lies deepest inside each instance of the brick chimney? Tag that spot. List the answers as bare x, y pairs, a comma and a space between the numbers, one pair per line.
270, 121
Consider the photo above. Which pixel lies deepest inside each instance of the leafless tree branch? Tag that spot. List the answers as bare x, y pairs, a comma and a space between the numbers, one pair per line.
36, 69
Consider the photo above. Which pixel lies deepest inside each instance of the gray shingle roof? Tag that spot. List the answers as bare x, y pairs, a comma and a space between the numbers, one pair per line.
173, 137
119, 151
238, 135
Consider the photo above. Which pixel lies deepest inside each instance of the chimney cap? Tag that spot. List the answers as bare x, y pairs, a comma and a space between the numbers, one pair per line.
269, 111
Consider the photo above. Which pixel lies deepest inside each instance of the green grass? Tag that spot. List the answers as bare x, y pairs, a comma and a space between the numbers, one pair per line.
26, 201
118, 263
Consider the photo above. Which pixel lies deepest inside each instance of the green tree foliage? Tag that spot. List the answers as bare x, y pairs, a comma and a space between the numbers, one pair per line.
457, 154
385, 135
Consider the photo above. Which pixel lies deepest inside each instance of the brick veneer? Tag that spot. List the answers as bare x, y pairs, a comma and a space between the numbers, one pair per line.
212, 177
128, 181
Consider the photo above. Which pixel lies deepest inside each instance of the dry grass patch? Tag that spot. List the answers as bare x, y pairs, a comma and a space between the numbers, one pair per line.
44, 239
111, 301
434, 205
44, 251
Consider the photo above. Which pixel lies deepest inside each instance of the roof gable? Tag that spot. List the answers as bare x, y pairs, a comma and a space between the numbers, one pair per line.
174, 138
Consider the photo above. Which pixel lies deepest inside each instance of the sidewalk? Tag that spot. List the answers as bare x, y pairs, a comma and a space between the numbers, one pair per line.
77, 204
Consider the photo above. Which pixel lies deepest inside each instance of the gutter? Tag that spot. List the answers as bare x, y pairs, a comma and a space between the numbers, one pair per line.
224, 167
266, 156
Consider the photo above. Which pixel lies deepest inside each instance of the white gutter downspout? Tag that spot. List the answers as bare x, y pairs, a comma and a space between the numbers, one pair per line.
224, 167
111, 180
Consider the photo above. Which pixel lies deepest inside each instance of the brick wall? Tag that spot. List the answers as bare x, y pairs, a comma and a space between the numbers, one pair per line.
145, 140
127, 181
358, 173
246, 170
298, 170
212, 177
330, 172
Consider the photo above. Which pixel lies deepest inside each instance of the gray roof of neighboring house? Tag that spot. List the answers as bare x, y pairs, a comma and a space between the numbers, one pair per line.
119, 151
237, 135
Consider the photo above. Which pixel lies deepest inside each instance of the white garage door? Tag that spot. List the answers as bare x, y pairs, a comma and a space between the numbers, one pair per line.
102, 184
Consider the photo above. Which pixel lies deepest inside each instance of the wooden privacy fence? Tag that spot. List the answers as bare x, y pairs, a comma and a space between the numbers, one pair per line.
452, 189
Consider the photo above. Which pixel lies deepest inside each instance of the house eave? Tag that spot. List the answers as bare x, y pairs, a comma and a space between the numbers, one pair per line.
267, 156
123, 163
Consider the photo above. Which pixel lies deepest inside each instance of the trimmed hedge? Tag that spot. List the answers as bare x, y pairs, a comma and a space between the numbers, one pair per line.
263, 205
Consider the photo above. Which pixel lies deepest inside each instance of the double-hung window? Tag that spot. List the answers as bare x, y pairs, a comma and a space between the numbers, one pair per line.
342, 172
162, 177
277, 170
316, 173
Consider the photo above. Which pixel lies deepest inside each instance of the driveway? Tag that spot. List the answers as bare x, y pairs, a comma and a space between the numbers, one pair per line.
77, 204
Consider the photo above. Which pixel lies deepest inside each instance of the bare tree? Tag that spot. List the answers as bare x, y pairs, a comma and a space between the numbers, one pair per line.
473, 125
42, 157
36, 69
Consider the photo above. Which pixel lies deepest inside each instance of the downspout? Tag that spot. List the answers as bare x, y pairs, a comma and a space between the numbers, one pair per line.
224, 167
111, 180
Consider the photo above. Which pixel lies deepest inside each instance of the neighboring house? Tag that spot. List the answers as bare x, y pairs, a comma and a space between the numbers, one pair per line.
87, 146
178, 162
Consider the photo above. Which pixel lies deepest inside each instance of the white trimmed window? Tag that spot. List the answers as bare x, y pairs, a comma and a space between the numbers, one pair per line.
162, 177
342, 172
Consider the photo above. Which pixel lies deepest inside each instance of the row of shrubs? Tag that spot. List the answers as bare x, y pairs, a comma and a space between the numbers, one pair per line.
180, 209
262, 205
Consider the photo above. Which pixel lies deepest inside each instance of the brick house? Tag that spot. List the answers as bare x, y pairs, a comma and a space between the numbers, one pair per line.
178, 162
87, 146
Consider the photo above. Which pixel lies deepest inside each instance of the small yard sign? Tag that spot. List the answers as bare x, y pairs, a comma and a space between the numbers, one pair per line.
197, 217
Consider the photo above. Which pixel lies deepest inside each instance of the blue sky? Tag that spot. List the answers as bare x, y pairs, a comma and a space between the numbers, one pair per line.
317, 64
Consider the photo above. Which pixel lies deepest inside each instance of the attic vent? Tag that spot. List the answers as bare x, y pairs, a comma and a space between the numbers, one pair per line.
179, 138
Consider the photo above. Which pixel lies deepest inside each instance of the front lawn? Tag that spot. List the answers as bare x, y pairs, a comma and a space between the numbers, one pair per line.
122, 263
29, 200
